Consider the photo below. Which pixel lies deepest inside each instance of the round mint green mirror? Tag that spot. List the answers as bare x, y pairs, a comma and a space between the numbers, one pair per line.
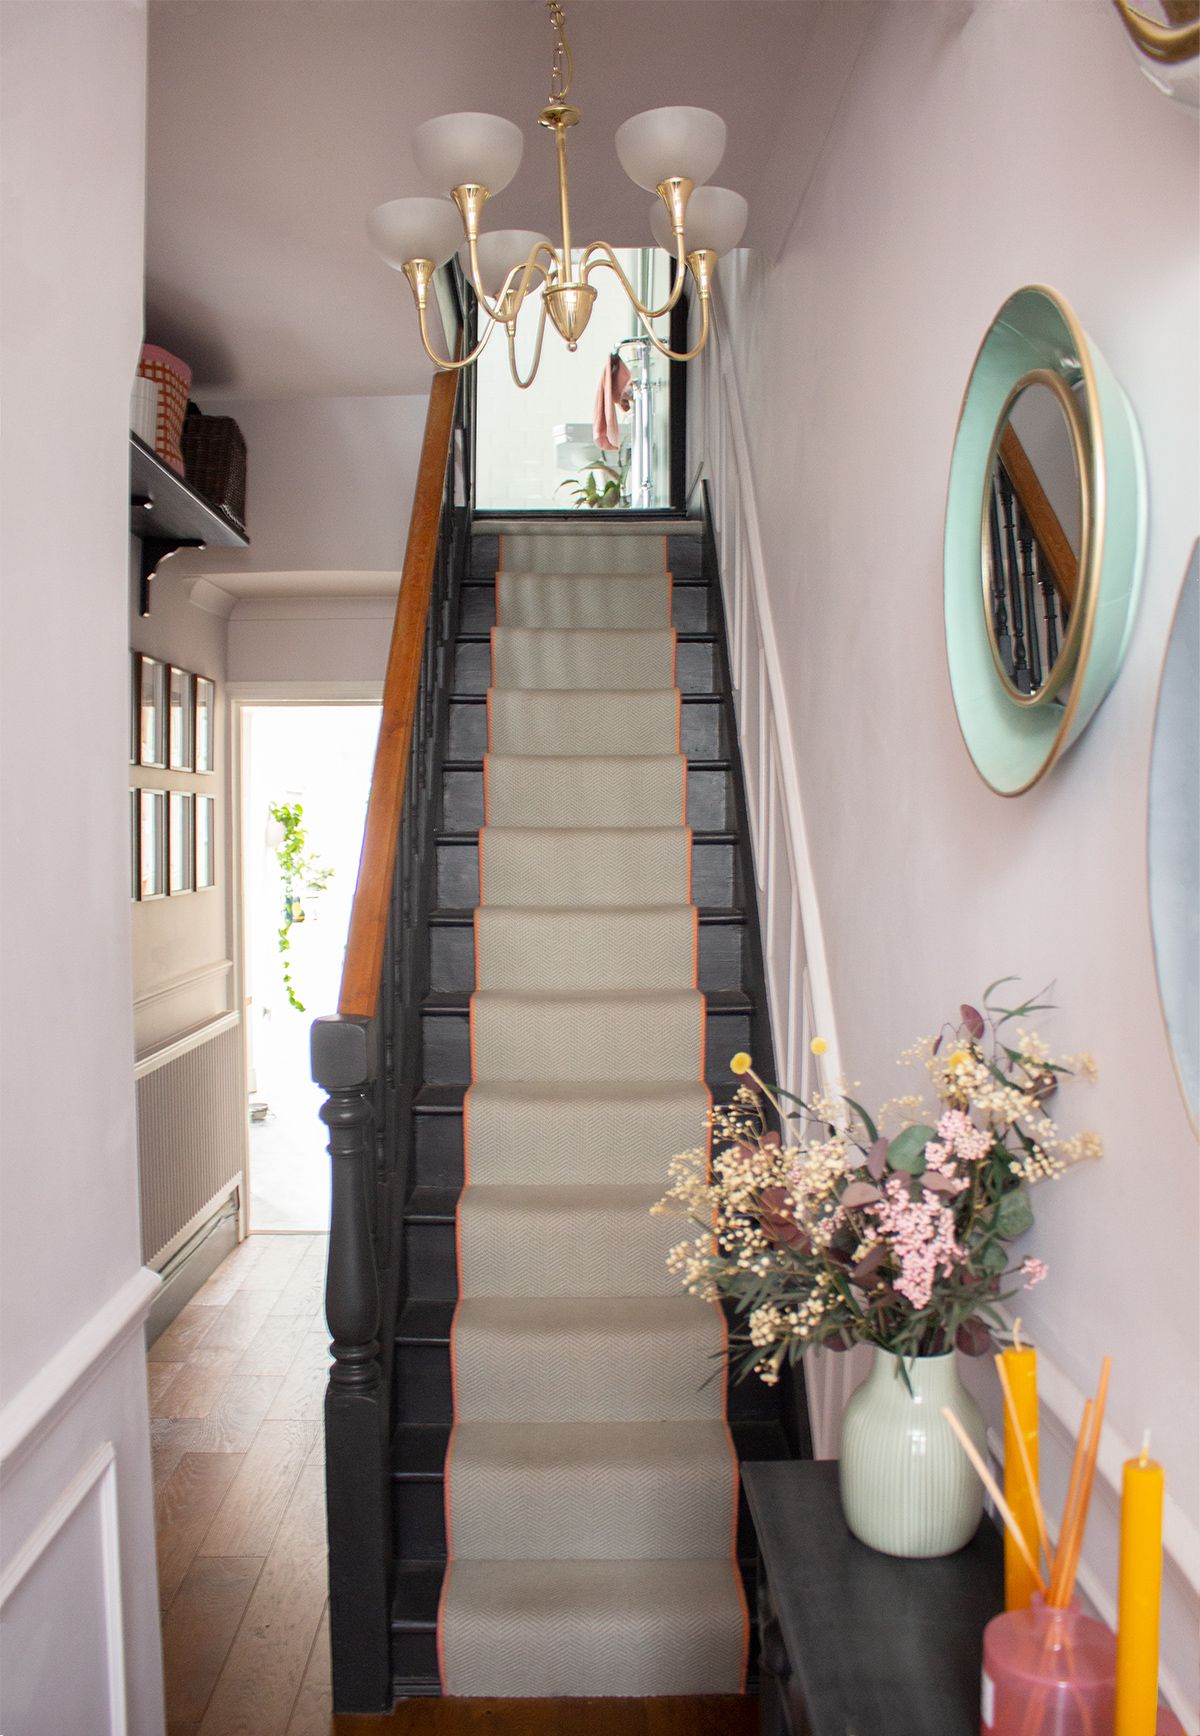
1045, 528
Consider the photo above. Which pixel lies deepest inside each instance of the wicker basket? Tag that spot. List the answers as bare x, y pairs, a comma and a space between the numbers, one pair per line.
173, 378
215, 455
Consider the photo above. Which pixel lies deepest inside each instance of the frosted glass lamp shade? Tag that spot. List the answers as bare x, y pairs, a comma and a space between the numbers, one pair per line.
404, 229
499, 250
468, 149
716, 219
671, 141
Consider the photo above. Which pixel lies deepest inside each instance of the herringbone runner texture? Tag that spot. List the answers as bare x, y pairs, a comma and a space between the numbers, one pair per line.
591, 1483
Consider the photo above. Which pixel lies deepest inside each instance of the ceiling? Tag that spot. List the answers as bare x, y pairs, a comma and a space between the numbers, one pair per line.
275, 125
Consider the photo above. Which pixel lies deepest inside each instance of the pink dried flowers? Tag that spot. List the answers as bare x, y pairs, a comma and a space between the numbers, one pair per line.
829, 1232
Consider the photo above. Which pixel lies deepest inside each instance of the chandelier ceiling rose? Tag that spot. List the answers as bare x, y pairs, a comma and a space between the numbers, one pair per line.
473, 157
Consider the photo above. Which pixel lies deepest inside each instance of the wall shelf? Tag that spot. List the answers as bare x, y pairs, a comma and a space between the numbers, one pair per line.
166, 513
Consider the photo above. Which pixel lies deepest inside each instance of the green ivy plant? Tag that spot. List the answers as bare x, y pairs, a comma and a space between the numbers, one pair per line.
301, 871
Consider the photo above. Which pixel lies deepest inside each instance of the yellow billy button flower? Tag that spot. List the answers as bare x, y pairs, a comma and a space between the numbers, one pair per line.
818, 1046
958, 1059
740, 1063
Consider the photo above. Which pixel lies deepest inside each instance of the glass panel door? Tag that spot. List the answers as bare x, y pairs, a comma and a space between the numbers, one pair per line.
537, 449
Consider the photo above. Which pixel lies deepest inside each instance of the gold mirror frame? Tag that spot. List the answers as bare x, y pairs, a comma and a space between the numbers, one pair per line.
1013, 745
1091, 538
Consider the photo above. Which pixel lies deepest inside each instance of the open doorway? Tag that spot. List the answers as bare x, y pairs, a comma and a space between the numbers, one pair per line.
306, 772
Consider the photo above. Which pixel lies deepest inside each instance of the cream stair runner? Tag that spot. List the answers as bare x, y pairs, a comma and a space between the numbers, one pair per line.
591, 1483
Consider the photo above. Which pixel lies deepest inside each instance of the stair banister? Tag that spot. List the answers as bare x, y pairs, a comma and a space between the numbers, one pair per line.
353, 1061
372, 893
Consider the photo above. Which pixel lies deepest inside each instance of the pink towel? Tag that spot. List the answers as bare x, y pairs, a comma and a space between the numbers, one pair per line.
613, 392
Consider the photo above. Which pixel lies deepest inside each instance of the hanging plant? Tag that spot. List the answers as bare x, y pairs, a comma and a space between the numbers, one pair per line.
300, 871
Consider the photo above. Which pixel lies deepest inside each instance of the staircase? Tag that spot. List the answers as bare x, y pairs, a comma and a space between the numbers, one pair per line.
578, 962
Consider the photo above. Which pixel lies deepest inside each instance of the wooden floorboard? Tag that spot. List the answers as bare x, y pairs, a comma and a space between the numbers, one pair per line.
237, 1384
703, 1717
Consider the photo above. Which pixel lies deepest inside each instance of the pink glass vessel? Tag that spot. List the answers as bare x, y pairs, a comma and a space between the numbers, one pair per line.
1048, 1672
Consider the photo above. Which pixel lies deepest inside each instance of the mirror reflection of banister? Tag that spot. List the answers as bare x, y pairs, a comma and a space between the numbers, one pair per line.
1051, 538
1033, 569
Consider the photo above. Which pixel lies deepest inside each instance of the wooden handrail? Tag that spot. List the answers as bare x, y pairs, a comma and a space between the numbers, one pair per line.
373, 890
1048, 532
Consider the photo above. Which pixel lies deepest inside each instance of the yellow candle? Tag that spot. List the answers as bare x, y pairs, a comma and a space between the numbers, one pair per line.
1139, 1596
1020, 1365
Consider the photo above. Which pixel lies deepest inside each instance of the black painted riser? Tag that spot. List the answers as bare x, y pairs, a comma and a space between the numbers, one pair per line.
446, 1045
692, 608
415, 1665
696, 667
702, 731
721, 961
431, 1261
716, 877
710, 800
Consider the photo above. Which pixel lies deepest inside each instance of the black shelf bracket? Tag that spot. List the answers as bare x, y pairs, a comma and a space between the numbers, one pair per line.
166, 513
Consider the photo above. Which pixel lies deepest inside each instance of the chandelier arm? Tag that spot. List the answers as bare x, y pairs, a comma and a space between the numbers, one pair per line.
607, 258
677, 355
523, 385
494, 310
448, 367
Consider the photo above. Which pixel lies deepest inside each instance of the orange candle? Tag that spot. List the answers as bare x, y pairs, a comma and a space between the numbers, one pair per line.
1139, 1596
1020, 1365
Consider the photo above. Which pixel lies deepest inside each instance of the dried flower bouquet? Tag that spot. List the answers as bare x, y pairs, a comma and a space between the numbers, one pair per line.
835, 1232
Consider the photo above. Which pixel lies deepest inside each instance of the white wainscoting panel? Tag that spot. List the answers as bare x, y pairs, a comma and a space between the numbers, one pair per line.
67, 1581
798, 986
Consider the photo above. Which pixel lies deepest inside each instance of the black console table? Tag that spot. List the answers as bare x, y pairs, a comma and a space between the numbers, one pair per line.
855, 1643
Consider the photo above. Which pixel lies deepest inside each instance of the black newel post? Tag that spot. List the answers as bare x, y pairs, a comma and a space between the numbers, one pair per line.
344, 1064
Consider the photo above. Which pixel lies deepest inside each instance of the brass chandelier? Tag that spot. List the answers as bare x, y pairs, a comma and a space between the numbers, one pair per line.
670, 151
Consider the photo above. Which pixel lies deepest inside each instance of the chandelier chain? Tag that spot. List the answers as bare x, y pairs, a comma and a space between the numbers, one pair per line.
562, 69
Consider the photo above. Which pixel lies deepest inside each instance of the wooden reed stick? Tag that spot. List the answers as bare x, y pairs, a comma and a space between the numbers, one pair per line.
1073, 1487
1071, 1564
1026, 1466
990, 1484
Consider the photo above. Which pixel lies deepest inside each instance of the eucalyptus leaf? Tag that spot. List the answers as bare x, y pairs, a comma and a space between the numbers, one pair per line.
860, 1193
943, 1184
973, 1020
1013, 1216
907, 1150
877, 1158
993, 1259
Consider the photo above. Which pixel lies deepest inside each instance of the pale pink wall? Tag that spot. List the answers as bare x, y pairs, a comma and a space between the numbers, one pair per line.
978, 149
72, 141
329, 482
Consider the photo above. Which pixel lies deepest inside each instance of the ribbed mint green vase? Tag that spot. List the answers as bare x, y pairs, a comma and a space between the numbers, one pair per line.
907, 1486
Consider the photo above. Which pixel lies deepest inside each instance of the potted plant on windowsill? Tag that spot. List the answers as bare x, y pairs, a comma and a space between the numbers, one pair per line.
587, 492
835, 1231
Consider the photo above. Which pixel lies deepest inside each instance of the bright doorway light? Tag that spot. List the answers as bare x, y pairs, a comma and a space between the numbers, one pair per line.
306, 776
